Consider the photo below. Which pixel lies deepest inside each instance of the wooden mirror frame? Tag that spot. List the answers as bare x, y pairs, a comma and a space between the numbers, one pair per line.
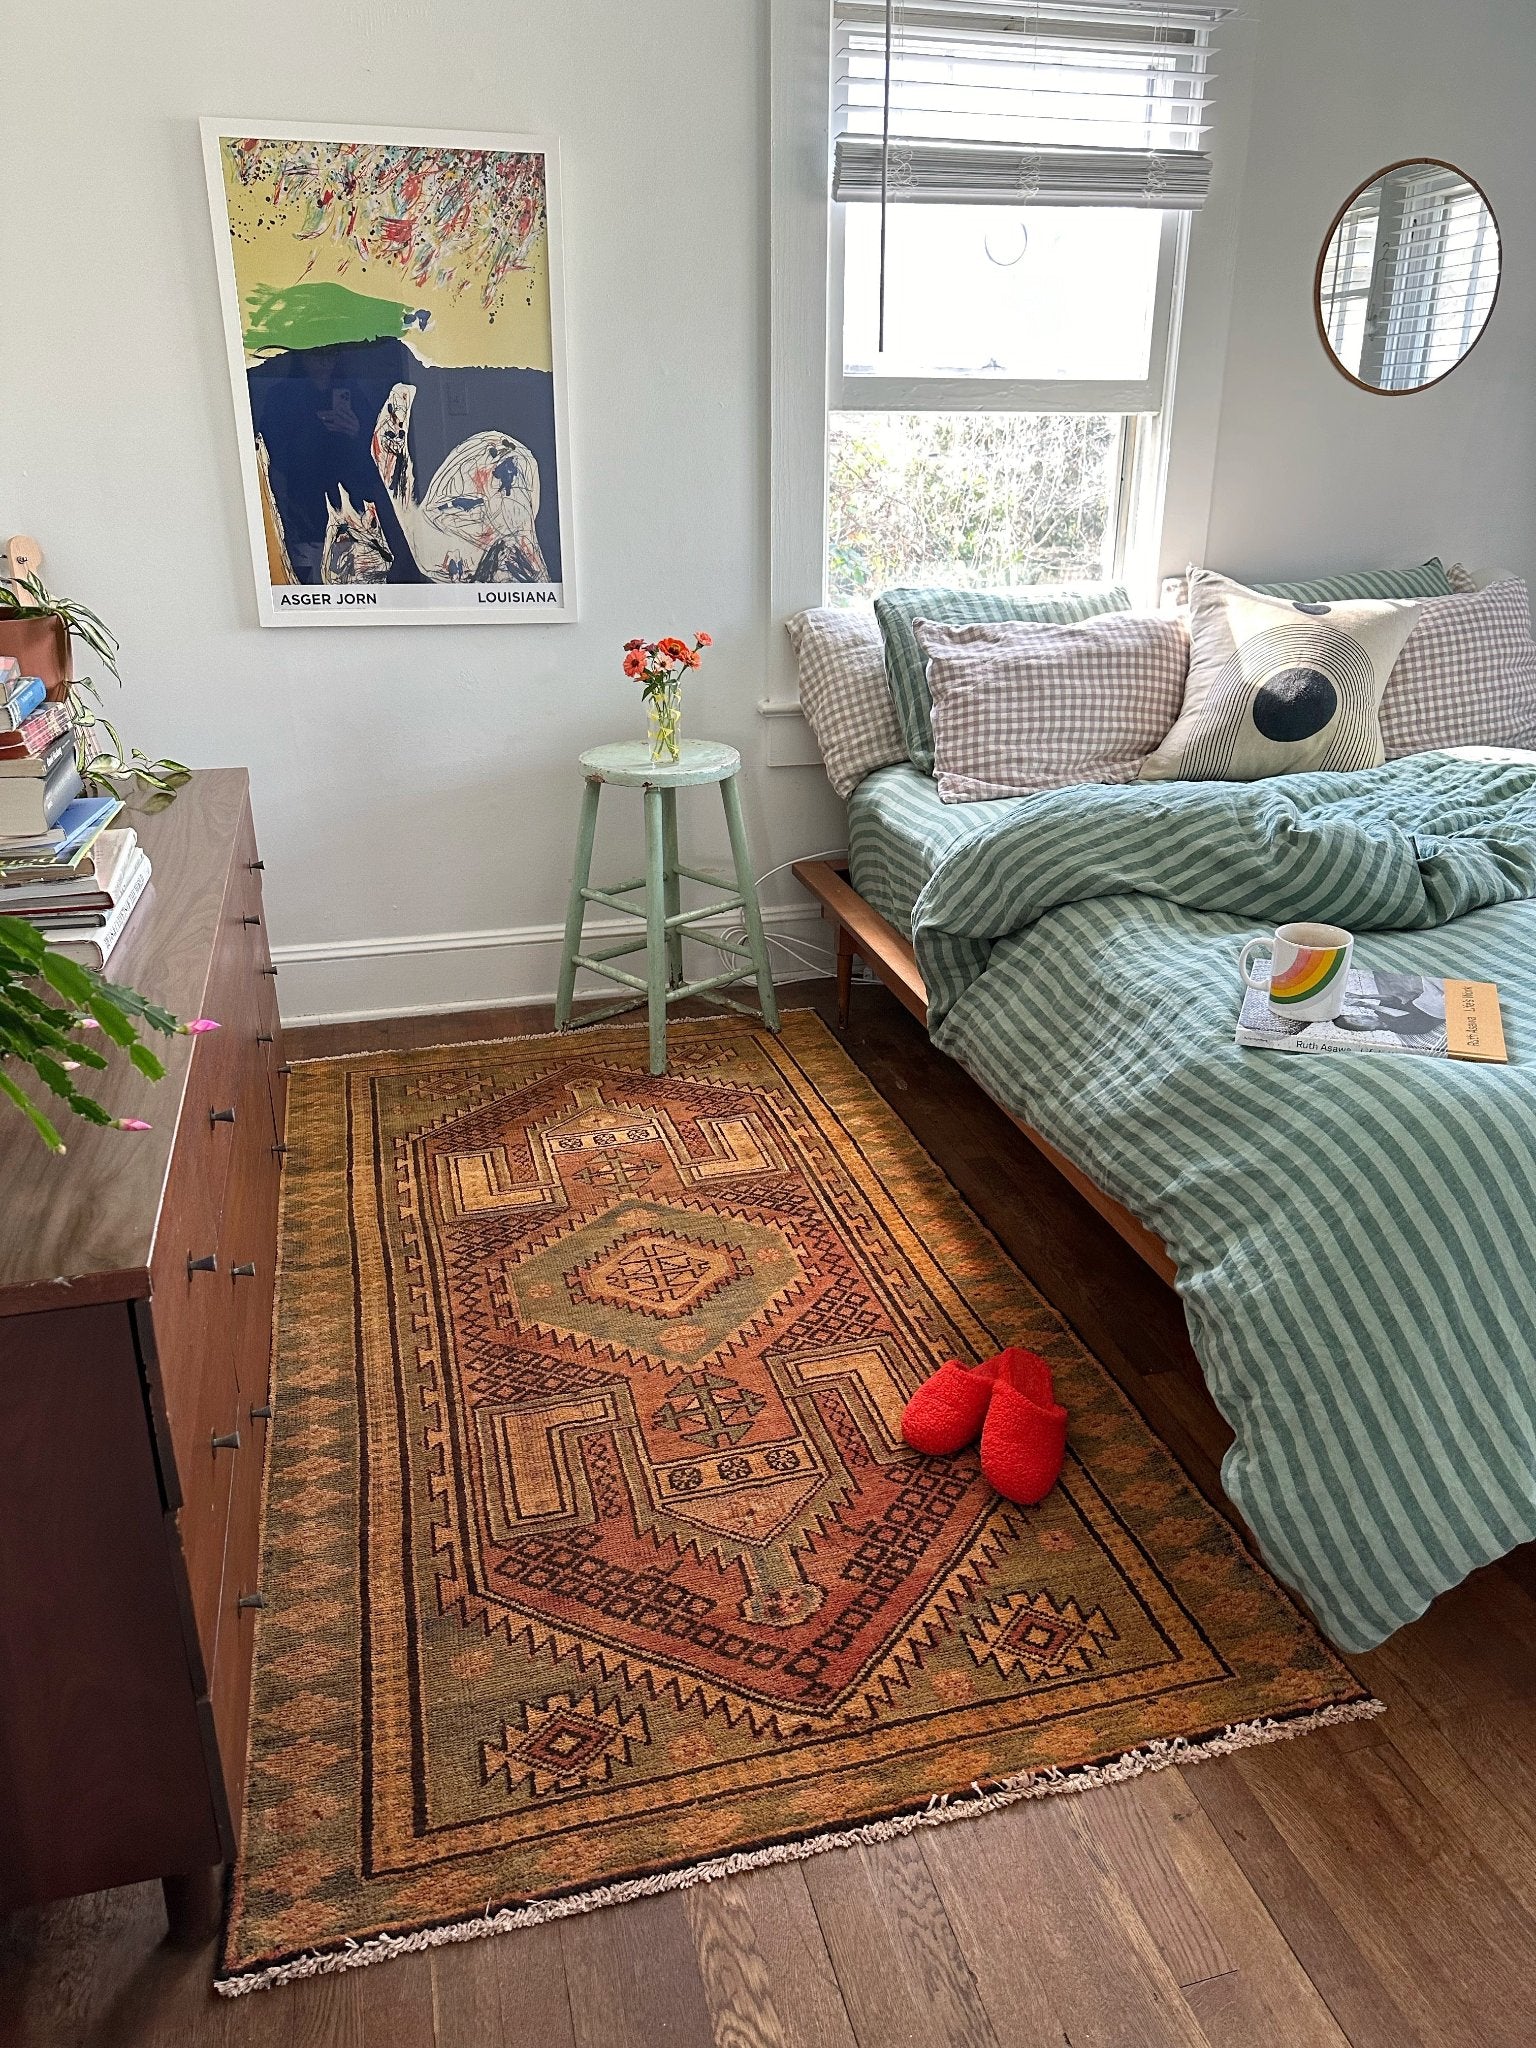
1407, 390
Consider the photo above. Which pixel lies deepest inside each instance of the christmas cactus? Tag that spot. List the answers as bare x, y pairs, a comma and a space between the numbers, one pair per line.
50, 1009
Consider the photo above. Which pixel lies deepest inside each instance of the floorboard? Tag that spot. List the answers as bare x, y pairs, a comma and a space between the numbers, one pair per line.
633, 1977
904, 1979
504, 1990
768, 1981
1374, 1886
1056, 1948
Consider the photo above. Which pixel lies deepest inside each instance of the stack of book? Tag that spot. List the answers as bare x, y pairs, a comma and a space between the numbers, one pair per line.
60, 865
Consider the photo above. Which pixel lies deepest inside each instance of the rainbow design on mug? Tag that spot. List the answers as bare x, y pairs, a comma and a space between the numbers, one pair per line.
1308, 974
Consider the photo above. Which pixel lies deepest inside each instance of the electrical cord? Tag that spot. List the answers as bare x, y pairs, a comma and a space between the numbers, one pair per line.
801, 951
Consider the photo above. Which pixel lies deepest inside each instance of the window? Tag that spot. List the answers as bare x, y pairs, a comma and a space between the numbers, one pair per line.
1007, 239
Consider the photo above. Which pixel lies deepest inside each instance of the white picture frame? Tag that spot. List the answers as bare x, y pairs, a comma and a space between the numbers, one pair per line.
382, 486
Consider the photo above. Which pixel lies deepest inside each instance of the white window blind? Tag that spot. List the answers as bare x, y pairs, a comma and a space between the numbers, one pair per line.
1081, 103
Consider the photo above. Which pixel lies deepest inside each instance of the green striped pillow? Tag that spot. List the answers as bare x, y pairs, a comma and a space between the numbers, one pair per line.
1428, 580
896, 611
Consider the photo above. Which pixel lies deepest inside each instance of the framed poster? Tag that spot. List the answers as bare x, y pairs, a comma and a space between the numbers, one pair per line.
392, 307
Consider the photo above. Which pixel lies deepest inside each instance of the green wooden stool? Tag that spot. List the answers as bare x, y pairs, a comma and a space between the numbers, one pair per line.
628, 763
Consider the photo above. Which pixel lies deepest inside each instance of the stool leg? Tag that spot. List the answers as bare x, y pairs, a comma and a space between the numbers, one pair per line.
746, 888
655, 926
576, 913
674, 888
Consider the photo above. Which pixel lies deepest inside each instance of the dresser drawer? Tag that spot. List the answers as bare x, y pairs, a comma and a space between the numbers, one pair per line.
206, 1469
249, 1234
231, 1686
268, 1027
190, 1302
198, 1279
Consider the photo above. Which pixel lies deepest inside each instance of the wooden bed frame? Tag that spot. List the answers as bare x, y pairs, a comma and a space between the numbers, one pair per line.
863, 934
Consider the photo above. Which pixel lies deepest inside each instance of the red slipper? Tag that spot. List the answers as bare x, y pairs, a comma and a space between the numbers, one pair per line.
1024, 1438
944, 1415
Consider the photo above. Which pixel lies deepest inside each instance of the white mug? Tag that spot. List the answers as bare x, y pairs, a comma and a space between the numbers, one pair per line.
1308, 971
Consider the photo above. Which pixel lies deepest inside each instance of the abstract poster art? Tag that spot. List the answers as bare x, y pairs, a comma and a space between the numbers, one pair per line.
393, 312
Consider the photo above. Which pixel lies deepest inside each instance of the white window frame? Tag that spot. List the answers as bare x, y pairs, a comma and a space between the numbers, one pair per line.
1165, 500
856, 392
1141, 403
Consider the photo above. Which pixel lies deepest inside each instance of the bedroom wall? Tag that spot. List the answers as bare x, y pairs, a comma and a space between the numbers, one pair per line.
1309, 471
415, 789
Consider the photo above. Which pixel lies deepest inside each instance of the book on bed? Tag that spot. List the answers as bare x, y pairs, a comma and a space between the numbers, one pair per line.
1386, 1012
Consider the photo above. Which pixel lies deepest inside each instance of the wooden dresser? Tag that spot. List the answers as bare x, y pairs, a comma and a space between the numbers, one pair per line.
136, 1282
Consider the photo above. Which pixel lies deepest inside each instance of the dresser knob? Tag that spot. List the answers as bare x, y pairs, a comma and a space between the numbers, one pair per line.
227, 1443
255, 866
285, 1070
250, 920
270, 970
279, 1150
250, 1600
221, 1116
246, 1272
264, 1038
262, 1414
207, 1265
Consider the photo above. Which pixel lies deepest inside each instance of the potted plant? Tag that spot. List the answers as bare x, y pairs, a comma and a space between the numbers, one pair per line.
40, 630
49, 1006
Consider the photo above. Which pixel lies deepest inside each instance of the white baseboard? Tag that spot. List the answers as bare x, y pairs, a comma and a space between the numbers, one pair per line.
343, 981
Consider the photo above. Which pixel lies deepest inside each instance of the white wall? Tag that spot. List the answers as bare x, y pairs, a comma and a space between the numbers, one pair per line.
1309, 471
415, 789
411, 783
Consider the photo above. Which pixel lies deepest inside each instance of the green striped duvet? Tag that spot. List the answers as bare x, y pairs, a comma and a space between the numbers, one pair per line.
1355, 1237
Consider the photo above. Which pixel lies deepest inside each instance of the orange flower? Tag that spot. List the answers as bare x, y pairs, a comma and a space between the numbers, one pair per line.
705, 639
634, 661
695, 660
673, 649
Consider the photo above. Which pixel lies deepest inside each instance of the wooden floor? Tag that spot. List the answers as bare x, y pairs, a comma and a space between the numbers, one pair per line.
1375, 1886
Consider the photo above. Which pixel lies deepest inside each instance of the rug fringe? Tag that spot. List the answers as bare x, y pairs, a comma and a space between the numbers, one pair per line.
1133, 1763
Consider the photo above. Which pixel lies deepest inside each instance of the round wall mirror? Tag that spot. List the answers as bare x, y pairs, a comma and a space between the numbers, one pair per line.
1407, 276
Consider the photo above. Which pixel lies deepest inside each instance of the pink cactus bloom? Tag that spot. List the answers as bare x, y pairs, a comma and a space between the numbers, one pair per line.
198, 1024
133, 1123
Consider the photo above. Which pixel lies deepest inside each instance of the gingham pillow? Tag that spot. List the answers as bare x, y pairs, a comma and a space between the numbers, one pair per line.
897, 609
1466, 676
845, 695
1019, 707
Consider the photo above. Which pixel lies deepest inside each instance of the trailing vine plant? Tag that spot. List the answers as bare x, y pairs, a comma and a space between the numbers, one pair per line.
119, 770
54, 1012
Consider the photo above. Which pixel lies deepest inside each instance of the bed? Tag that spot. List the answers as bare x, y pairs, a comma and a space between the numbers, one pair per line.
1354, 1240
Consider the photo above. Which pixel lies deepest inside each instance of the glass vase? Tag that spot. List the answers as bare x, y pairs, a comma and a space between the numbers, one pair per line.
667, 721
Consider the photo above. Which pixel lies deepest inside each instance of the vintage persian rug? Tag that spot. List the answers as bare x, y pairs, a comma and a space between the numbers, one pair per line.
595, 1563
